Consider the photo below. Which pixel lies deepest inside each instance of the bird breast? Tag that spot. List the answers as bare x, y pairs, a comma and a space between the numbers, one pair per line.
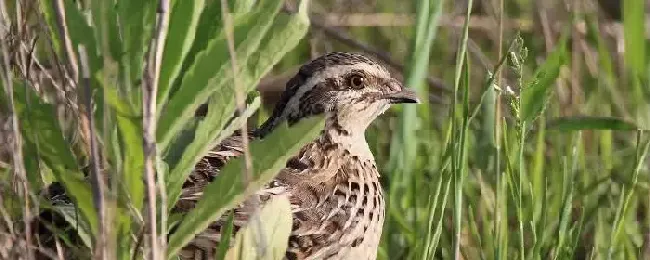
339, 205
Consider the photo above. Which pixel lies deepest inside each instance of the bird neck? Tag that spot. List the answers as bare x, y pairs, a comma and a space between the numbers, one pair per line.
348, 136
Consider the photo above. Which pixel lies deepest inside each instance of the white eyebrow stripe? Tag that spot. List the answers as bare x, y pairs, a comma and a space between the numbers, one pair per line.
330, 72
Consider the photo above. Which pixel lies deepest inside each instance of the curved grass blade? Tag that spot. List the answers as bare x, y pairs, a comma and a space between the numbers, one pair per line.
208, 73
634, 34
228, 189
209, 132
284, 35
182, 30
590, 123
535, 94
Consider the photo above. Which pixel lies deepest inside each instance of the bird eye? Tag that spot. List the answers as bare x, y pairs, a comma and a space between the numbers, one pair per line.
357, 81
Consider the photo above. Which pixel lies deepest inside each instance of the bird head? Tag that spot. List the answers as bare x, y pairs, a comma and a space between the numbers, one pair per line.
349, 88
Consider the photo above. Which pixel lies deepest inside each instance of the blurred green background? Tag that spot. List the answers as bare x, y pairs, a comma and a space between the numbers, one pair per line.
530, 143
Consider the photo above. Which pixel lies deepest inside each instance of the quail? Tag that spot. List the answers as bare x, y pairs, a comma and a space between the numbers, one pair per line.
332, 183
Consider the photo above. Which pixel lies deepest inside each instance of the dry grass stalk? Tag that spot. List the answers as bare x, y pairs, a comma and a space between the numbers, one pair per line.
71, 65
157, 243
239, 93
19, 173
96, 178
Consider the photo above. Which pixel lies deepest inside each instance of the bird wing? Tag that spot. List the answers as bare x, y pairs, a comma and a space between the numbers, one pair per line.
204, 244
325, 186
208, 168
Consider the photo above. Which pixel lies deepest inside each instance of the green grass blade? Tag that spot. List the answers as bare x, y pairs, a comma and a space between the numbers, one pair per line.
590, 123
206, 30
428, 17
130, 133
226, 236
228, 189
50, 19
283, 36
182, 30
209, 132
208, 73
634, 34
628, 195
105, 26
136, 19
81, 33
460, 127
534, 96
241, 6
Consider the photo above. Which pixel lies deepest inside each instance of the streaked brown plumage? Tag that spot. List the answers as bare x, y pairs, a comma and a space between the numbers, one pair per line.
333, 182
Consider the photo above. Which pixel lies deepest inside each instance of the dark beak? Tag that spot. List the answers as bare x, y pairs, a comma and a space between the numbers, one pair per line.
407, 95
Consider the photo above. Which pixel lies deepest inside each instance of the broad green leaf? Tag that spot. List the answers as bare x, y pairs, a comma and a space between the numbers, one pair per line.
228, 189
590, 123
241, 6
535, 94
130, 132
81, 33
209, 72
136, 26
119, 104
105, 24
209, 132
282, 37
182, 29
286, 33
266, 234
39, 125
208, 28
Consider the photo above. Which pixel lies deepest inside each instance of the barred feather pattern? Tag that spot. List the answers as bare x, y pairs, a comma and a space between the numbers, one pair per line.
337, 205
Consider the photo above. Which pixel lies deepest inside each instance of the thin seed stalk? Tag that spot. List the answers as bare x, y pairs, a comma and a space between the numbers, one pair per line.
458, 161
96, 180
522, 171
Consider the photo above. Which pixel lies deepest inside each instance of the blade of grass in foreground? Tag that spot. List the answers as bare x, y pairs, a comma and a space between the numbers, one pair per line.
641, 152
590, 123
634, 30
182, 25
284, 35
228, 189
460, 128
208, 73
404, 145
